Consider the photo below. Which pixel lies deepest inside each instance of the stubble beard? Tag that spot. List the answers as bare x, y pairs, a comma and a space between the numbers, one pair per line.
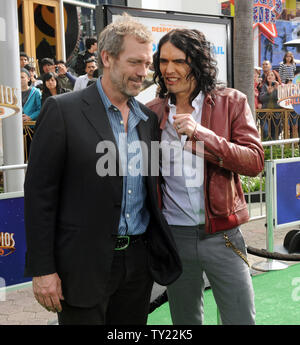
124, 89
122, 84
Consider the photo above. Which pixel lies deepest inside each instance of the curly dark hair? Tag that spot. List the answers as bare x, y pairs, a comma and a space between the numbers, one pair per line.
198, 56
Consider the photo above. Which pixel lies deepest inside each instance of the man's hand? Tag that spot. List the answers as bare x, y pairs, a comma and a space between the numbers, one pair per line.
47, 290
52, 69
184, 124
26, 118
62, 69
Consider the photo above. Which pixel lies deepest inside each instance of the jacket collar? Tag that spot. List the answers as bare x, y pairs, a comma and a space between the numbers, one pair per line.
31, 93
94, 110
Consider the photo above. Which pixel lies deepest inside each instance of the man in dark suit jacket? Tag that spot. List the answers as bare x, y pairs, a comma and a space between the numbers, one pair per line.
96, 238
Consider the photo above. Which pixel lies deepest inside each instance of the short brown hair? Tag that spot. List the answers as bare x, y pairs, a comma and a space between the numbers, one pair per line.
112, 37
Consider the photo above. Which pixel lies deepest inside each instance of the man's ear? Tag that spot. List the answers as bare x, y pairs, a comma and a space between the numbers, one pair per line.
106, 58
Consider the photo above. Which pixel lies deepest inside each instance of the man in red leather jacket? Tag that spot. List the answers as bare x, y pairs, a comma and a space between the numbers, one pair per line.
205, 217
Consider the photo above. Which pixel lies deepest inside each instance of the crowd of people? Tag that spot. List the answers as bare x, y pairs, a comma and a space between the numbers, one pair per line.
266, 94
53, 79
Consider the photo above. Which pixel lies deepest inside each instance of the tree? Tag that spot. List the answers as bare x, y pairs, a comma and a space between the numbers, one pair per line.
243, 54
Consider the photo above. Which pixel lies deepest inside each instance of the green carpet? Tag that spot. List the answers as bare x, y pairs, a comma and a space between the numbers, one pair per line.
277, 300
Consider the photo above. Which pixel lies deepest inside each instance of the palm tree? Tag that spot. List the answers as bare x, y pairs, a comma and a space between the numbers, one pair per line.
243, 55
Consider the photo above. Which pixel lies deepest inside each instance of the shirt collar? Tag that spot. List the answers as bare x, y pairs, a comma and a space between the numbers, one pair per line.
197, 101
132, 103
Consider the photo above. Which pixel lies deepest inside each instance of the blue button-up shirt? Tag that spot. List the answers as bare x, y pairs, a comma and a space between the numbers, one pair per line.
134, 213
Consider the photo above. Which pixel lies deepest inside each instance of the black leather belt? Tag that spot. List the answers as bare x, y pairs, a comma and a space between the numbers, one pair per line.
122, 242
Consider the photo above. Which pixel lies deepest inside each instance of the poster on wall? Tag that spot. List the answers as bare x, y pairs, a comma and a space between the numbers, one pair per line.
274, 51
287, 192
218, 31
12, 241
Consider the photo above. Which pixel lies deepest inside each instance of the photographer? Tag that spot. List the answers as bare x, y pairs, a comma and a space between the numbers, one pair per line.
65, 79
34, 81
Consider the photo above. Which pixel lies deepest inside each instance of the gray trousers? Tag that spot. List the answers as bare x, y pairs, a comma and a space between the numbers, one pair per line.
227, 272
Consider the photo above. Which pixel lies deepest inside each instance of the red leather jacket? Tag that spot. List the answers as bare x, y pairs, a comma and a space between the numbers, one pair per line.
231, 147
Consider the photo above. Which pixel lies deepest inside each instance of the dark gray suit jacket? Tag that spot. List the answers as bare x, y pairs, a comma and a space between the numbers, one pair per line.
71, 213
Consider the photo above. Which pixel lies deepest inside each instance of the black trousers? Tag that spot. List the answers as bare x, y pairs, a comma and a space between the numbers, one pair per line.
127, 297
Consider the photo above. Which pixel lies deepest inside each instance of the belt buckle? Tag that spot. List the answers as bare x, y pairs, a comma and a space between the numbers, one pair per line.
125, 237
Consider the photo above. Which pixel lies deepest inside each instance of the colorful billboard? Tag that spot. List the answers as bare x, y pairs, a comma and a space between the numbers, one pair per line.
274, 51
12, 241
287, 192
217, 29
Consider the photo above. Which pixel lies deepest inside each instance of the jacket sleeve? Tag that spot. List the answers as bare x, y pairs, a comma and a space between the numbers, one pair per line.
41, 189
36, 105
71, 78
242, 153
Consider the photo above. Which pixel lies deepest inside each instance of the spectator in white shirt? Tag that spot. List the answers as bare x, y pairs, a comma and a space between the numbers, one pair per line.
82, 81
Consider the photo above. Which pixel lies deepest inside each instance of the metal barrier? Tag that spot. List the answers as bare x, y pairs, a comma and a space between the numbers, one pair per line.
13, 167
274, 124
27, 137
7, 195
287, 148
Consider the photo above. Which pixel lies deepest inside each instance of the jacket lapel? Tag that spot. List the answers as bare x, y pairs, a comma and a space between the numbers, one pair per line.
143, 129
94, 110
206, 111
145, 136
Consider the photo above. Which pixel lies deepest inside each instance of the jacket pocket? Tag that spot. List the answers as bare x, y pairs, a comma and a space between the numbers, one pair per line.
221, 192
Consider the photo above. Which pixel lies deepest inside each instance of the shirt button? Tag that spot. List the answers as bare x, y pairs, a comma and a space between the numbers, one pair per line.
121, 122
129, 191
127, 215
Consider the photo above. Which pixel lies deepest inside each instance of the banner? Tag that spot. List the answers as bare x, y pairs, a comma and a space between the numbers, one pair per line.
274, 52
217, 30
287, 192
215, 33
265, 13
12, 241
